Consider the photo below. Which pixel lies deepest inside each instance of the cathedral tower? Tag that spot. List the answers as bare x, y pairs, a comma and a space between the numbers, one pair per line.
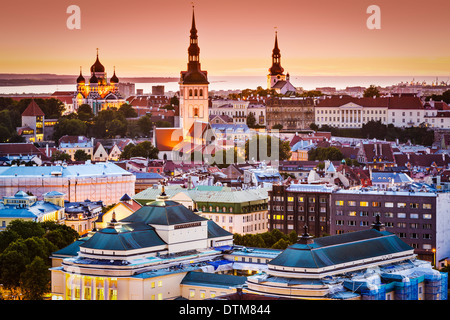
275, 71
193, 86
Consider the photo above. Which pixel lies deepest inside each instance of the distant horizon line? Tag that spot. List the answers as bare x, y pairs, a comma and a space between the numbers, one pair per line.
223, 75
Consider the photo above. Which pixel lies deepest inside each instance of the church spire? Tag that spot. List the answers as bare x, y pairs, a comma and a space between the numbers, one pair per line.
194, 74
276, 68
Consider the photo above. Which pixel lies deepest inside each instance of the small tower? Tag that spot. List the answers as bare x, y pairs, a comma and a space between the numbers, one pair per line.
305, 238
378, 225
276, 70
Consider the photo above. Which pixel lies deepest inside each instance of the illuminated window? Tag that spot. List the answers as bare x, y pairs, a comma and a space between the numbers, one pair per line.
153, 285
352, 213
191, 293
339, 202
352, 203
159, 296
376, 204
112, 294
100, 294
364, 204
427, 205
87, 293
401, 205
290, 199
389, 204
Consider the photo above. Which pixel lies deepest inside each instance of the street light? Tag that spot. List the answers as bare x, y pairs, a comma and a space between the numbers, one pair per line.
434, 256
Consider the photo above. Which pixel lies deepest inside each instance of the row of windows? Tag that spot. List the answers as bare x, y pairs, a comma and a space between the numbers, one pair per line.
299, 199
401, 215
351, 111
225, 209
196, 93
299, 218
412, 205
402, 225
247, 218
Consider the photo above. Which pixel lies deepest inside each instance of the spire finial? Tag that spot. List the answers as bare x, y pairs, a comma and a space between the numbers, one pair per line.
97, 52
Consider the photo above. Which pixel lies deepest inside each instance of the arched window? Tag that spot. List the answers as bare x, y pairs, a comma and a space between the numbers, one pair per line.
190, 92
195, 112
195, 93
201, 92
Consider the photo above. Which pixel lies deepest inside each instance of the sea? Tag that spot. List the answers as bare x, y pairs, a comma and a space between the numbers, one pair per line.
226, 83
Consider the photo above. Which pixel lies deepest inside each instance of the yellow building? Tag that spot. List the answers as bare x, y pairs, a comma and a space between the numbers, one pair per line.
26, 207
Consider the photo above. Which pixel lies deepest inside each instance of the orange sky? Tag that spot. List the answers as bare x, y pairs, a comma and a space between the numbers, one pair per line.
150, 38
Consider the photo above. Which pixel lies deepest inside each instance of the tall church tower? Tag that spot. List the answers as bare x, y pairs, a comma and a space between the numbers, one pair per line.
193, 86
275, 71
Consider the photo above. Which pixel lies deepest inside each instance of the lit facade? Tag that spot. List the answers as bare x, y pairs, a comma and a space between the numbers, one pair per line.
98, 92
145, 256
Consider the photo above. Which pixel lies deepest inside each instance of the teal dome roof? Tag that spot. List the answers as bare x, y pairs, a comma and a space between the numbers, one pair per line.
163, 212
124, 237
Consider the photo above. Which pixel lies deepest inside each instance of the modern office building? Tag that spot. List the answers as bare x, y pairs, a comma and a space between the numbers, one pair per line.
294, 206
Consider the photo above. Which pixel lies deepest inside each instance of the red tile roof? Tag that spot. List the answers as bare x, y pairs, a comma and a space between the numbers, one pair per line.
397, 102
33, 110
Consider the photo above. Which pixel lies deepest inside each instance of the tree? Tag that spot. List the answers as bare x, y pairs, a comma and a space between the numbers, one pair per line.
26, 229
259, 148
73, 127
81, 155
251, 120
144, 149
277, 126
281, 244
374, 129
371, 91
12, 264
60, 156
325, 153
128, 111
84, 112
145, 124
35, 280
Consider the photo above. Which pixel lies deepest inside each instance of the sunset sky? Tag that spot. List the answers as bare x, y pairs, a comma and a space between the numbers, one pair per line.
150, 38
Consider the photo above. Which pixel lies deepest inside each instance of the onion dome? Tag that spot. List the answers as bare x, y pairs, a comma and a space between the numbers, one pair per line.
93, 79
97, 66
114, 78
80, 78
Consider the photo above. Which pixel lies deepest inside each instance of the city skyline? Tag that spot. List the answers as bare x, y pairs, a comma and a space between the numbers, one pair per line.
235, 38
